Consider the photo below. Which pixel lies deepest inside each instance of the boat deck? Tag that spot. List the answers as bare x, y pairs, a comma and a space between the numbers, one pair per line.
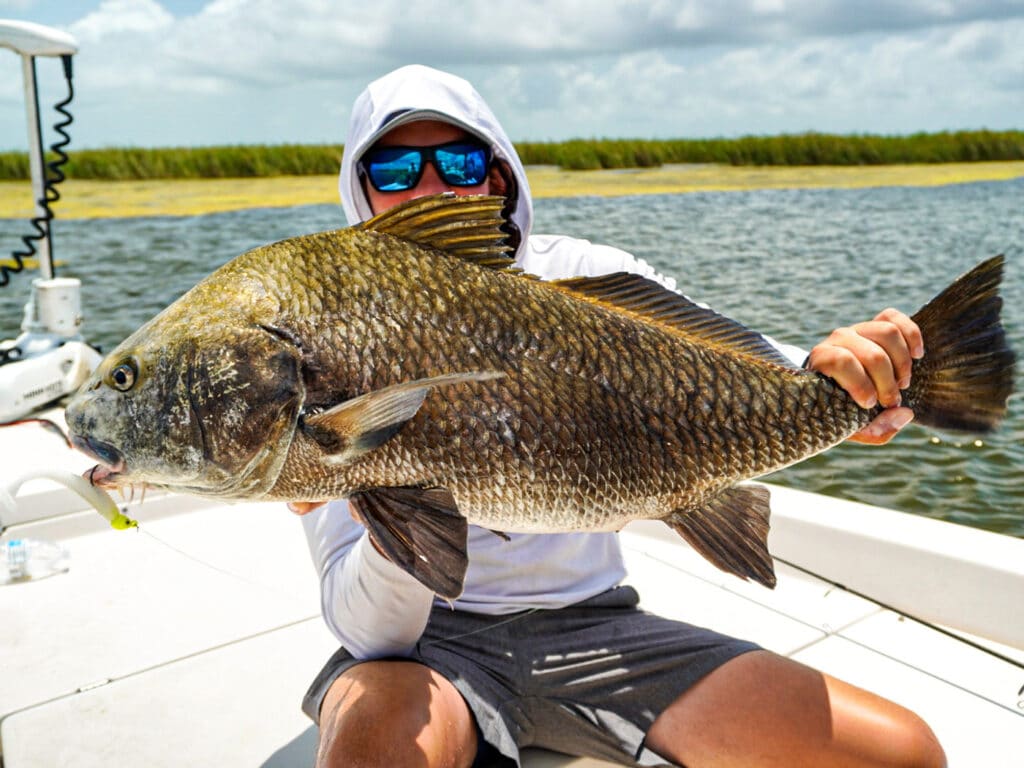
192, 640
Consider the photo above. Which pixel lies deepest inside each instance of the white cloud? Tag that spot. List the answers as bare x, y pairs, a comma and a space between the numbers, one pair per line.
287, 70
122, 17
945, 77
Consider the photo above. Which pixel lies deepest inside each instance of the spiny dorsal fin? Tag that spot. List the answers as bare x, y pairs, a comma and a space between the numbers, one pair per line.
468, 226
653, 301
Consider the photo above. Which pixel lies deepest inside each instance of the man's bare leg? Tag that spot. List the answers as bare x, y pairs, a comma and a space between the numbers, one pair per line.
395, 713
762, 709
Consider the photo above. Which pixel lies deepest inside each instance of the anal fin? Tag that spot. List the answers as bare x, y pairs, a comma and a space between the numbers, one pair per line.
421, 531
731, 531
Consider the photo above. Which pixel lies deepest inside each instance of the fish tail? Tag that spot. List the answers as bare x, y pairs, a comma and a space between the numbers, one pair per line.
966, 376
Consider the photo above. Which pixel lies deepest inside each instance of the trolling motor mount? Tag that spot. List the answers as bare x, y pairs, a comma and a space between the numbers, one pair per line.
50, 358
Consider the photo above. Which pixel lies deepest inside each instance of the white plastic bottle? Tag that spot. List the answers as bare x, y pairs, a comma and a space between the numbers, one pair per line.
30, 560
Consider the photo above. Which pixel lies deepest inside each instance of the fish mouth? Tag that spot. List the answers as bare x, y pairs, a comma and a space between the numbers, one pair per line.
111, 460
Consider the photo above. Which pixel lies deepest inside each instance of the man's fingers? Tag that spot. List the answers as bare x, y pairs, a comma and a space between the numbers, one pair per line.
873, 360
910, 330
856, 365
900, 337
888, 362
304, 507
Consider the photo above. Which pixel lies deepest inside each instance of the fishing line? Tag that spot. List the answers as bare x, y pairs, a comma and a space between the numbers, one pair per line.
901, 612
488, 628
47, 424
216, 568
193, 558
116, 516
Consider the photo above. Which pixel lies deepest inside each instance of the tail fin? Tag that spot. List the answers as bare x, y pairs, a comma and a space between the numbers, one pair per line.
966, 375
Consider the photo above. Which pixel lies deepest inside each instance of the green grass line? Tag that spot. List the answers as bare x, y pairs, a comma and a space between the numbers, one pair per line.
807, 149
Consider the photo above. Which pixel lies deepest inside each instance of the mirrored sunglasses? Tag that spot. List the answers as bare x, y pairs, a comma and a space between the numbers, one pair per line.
395, 169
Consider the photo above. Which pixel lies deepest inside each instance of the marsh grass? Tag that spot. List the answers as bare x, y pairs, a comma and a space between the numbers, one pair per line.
241, 161
188, 197
784, 150
808, 149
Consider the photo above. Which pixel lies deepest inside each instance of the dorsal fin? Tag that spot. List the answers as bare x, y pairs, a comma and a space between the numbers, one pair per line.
653, 301
468, 226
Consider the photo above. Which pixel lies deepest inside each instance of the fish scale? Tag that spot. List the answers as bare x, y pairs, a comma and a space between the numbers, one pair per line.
407, 365
569, 421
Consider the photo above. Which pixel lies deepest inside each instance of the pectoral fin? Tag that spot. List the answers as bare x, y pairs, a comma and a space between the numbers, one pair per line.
732, 532
363, 423
421, 531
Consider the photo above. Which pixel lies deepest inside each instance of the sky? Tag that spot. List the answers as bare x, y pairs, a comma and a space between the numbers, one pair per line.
195, 73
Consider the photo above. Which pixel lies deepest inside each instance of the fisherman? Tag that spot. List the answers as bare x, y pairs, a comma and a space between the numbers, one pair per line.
546, 646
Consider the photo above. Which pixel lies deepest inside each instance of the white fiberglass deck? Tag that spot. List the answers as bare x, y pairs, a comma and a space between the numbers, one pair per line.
196, 649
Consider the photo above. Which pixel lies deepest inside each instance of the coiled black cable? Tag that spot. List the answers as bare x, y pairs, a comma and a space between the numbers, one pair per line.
51, 178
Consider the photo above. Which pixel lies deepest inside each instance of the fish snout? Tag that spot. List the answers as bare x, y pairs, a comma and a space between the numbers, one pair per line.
78, 414
81, 417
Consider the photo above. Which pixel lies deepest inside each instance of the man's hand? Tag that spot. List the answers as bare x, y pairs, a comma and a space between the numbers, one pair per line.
872, 362
304, 507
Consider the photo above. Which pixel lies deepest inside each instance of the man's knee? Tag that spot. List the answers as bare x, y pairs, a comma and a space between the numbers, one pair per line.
784, 713
387, 713
920, 745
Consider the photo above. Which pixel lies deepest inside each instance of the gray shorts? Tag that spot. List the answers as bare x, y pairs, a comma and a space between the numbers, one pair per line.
586, 680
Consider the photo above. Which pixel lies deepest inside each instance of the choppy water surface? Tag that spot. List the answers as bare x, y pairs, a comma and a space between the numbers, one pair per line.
791, 263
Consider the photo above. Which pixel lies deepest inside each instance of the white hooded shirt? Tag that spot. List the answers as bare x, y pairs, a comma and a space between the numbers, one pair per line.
373, 606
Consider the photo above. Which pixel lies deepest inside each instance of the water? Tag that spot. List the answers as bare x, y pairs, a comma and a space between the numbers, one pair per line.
791, 263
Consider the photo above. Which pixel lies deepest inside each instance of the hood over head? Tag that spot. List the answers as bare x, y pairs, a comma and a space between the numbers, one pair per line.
416, 92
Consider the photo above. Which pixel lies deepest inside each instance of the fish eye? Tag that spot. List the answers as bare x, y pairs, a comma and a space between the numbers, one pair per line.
122, 377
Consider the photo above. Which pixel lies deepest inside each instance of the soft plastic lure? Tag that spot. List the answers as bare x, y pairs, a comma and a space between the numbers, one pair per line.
97, 498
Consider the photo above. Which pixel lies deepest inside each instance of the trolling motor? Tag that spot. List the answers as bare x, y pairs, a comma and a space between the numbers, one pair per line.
50, 358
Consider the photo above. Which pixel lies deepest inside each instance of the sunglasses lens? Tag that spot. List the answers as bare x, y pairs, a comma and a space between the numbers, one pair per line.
394, 169
462, 165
